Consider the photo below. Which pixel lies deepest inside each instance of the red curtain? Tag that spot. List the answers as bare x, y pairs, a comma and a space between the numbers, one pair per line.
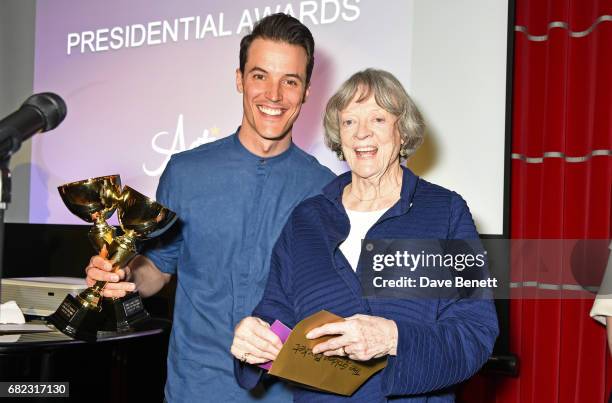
561, 189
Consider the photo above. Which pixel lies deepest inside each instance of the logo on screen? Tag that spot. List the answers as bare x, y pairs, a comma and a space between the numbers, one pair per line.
178, 144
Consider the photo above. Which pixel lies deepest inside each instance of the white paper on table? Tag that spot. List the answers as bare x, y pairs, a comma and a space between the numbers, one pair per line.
12, 328
10, 313
9, 338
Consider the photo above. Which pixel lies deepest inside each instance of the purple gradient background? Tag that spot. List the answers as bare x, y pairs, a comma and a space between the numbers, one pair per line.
119, 99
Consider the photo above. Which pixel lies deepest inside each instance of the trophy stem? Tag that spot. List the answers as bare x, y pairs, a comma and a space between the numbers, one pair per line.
101, 234
121, 250
92, 297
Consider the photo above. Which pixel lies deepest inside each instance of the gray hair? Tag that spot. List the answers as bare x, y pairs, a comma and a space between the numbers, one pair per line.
389, 94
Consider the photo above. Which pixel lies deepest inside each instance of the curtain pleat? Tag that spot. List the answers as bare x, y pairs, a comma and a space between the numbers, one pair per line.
561, 188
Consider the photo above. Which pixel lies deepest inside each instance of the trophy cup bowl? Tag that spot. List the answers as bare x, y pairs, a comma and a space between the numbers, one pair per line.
141, 217
94, 200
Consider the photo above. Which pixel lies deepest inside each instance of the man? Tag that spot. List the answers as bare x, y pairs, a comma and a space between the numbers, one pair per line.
233, 197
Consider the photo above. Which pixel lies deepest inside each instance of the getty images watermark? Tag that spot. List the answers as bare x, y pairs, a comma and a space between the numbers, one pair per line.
485, 268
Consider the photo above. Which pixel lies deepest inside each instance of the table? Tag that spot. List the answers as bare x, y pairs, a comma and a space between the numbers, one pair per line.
126, 367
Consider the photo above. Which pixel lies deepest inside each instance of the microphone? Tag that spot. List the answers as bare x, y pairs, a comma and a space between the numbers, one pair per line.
39, 113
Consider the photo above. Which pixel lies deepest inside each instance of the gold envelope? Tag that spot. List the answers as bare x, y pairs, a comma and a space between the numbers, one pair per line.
340, 375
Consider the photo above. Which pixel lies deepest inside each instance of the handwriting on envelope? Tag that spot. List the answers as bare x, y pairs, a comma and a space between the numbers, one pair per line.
340, 375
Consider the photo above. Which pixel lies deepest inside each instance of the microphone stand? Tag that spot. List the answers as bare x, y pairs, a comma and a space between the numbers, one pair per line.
5, 198
9, 145
39, 113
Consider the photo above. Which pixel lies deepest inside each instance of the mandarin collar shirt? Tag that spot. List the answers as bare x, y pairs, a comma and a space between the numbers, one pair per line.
231, 205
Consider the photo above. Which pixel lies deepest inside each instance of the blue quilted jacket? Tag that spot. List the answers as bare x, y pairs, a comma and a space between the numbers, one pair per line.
441, 342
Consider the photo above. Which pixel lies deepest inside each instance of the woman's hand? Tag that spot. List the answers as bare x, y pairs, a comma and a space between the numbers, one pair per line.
361, 338
254, 342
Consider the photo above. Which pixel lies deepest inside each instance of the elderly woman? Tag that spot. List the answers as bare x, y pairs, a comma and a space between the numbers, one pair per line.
431, 344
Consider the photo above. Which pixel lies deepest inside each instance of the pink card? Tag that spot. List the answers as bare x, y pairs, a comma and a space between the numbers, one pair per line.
282, 332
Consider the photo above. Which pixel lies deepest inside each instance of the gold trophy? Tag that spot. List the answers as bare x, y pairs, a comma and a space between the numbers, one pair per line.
140, 219
95, 200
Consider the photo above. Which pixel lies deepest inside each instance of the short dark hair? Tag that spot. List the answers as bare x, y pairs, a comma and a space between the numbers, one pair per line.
283, 28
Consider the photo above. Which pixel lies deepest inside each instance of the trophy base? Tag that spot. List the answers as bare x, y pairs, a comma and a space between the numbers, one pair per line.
130, 311
123, 314
74, 320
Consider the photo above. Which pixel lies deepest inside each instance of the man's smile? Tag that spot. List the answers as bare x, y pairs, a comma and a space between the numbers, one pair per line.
270, 111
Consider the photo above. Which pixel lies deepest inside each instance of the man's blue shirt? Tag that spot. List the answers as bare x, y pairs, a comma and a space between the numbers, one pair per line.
232, 206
